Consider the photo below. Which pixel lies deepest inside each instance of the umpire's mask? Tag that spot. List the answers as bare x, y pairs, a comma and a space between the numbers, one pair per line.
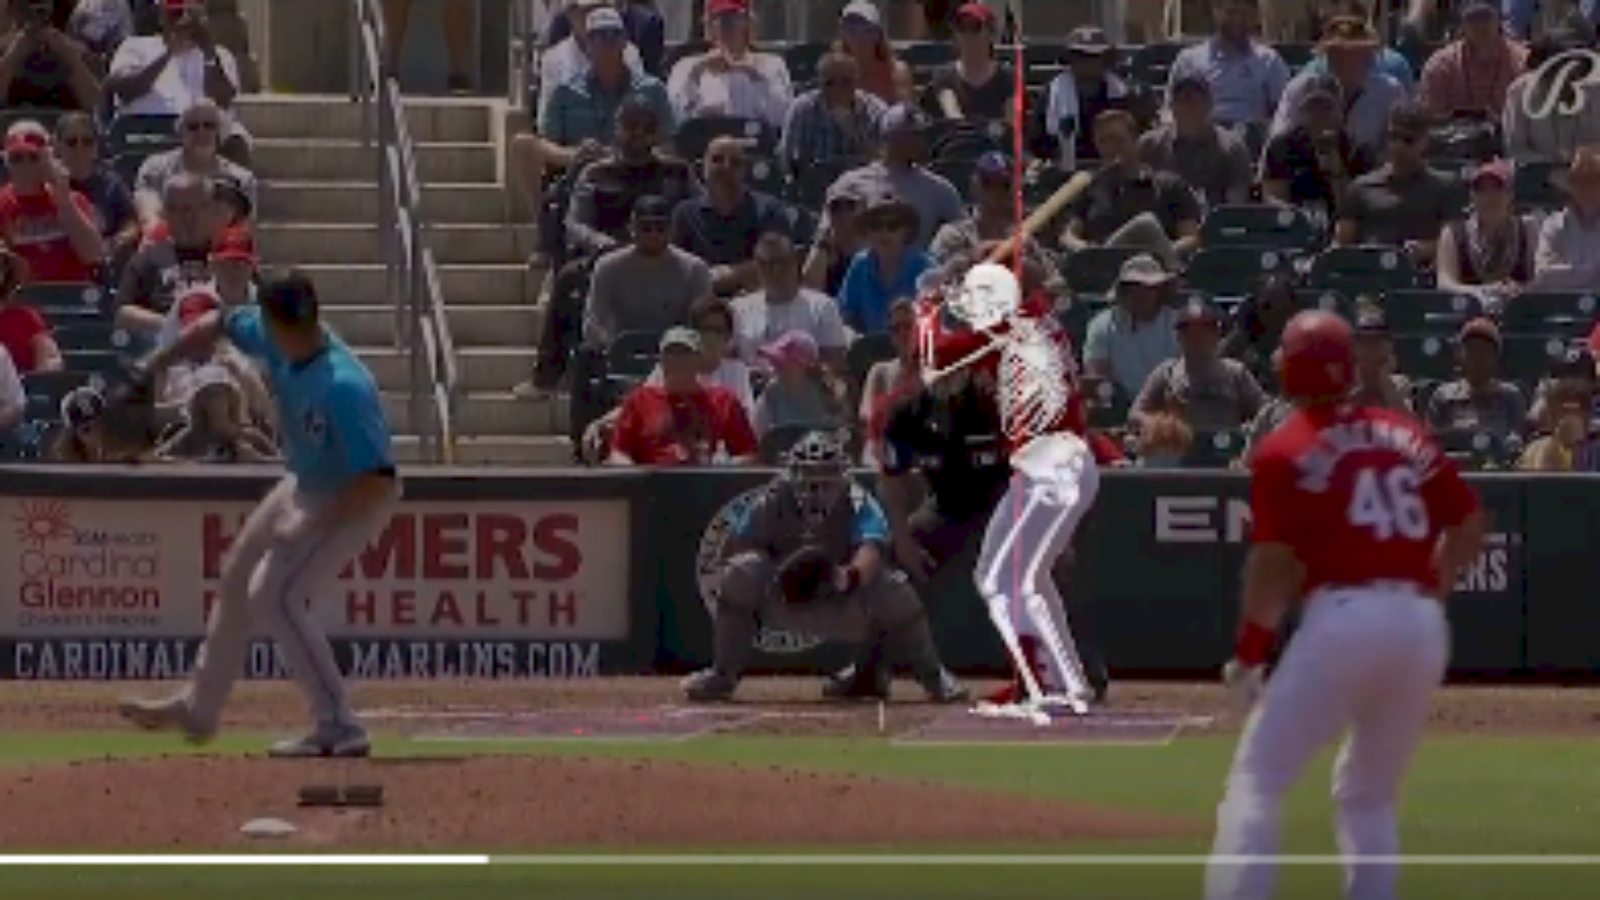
818, 474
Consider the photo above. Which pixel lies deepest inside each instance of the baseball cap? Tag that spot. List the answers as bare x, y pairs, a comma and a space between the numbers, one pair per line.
1143, 269
1322, 87
903, 119
1089, 41
792, 347
652, 208
1372, 322
681, 339
604, 19
975, 13
865, 10
1481, 328
195, 302
1409, 118
637, 104
993, 165
27, 136
235, 244
723, 7
81, 406
1191, 84
1198, 310
1496, 170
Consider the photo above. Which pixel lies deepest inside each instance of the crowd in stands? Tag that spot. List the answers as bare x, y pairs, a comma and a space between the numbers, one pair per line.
126, 212
759, 217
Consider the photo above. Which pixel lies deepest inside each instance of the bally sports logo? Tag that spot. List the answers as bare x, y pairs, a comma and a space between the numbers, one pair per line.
69, 576
712, 555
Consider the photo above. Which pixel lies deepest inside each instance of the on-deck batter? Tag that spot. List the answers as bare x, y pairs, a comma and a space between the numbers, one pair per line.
1360, 517
340, 486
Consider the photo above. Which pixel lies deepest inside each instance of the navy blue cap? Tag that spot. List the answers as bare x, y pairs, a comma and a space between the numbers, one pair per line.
993, 164
652, 208
290, 299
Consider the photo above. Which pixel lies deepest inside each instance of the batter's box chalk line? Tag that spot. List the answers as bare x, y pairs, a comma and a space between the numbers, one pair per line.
965, 728
579, 724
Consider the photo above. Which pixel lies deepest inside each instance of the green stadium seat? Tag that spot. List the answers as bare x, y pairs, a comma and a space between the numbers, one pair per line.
768, 177
803, 60
1234, 271
1425, 357
1480, 450
111, 366
1429, 311
1094, 270
1555, 314
143, 134
1534, 188
1327, 300
925, 56
695, 135
1362, 270
1148, 65
96, 336
1527, 358
65, 298
1214, 450
1260, 225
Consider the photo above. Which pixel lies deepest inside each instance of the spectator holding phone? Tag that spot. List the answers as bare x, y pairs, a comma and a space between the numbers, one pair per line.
50, 225
165, 74
41, 67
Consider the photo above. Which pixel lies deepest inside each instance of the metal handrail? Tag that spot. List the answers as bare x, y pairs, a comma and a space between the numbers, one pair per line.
412, 276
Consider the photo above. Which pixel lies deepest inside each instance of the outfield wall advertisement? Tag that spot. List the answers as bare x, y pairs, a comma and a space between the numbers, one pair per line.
104, 588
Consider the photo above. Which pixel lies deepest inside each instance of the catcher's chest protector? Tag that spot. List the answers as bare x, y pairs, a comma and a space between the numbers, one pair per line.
790, 531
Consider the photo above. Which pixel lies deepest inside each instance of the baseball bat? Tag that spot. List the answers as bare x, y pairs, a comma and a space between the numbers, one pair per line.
1049, 209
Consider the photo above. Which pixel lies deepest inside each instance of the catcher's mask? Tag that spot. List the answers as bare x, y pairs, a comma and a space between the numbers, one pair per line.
988, 295
818, 474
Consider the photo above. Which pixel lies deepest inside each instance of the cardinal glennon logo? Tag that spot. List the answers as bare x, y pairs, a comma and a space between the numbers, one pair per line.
42, 522
1557, 87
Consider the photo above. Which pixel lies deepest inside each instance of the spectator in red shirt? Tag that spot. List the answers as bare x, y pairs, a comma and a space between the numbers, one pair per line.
49, 224
23, 331
681, 422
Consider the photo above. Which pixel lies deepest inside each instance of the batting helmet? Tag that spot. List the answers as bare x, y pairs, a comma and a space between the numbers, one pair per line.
1315, 357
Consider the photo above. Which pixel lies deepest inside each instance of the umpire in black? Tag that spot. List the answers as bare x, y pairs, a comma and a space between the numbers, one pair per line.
946, 439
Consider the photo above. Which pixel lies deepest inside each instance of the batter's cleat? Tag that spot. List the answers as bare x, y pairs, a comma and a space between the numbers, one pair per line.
1060, 705
709, 686
942, 687
850, 683
1009, 694
166, 715
328, 741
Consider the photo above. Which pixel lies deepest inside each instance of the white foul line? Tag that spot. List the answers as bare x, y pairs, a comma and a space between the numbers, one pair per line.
799, 860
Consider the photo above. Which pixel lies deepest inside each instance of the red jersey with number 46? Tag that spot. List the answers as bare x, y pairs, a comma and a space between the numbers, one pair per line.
1030, 359
1360, 493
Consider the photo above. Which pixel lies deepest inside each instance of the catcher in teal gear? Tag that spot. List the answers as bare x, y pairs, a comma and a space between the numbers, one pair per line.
810, 556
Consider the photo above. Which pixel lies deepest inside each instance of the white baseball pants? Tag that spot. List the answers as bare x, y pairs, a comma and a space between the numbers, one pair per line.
1366, 660
1054, 483
270, 582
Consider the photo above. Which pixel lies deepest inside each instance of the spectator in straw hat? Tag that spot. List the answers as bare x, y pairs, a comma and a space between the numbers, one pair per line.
887, 270
1125, 343
1349, 46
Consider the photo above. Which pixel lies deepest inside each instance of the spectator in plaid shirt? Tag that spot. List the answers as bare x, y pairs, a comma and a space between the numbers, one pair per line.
837, 119
1471, 75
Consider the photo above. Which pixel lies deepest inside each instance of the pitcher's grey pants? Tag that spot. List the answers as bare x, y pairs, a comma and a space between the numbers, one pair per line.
269, 582
887, 610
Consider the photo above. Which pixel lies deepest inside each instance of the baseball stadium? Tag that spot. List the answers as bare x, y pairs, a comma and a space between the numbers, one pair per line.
786, 448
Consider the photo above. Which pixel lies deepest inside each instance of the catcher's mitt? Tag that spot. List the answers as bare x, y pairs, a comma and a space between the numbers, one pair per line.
805, 575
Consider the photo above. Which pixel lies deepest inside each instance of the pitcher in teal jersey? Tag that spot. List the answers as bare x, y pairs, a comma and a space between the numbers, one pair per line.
338, 492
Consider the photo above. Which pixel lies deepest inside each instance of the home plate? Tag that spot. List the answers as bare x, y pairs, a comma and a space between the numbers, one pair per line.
1106, 728
586, 725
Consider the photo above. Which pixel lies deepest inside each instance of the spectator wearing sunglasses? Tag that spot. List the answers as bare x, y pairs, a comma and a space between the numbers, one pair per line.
79, 145
1404, 203
722, 226
782, 304
165, 74
166, 265
649, 286
731, 79
837, 244
887, 270
50, 225
201, 127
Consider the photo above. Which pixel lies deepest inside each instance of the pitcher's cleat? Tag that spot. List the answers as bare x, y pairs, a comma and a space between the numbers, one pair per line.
166, 715
328, 741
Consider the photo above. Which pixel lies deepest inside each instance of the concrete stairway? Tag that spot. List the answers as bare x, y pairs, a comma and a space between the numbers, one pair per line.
319, 209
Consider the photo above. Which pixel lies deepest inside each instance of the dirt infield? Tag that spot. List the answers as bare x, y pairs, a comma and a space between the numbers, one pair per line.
510, 804
793, 703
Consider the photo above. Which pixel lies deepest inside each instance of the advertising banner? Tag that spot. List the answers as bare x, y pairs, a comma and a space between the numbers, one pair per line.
484, 589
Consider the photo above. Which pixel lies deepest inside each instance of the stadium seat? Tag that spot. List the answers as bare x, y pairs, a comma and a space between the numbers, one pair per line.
695, 135
1533, 187
768, 177
1329, 301
1093, 270
1042, 62
1353, 271
630, 359
1295, 55
865, 352
1429, 311
1557, 314
1527, 358
1149, 64
1425, 357
1075, 315
109, 365
813, 178
962, 140
1260, 225
1234, 271
1213, 450
99, 336
52, 299
1477, 450
803, 60
142, 134
924, 56
675, 52
1108, 407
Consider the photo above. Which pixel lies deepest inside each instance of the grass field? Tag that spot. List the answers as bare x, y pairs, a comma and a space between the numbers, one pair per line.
1468, 796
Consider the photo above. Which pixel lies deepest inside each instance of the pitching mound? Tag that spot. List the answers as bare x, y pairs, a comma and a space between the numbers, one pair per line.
524, 804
